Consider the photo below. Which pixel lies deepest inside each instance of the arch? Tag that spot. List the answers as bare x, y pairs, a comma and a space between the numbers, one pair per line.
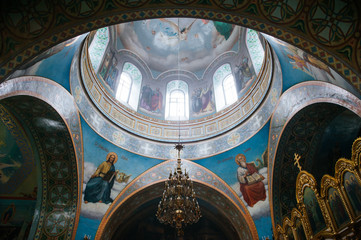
308, 94
335, 50
59, 145
199, 175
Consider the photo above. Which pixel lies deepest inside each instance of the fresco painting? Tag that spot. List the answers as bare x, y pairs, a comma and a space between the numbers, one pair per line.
16, 218
105, 65
303, 61
105, 176
99, 186
337, 208
202, 101
353, 190
111, 79
295, 62
250, 181
313, 211
244, 74
48, 64
18, 174
253, 155
170, 43
151, 100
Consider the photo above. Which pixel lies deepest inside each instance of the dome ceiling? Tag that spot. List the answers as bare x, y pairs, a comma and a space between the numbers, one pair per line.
172, 43
196, 78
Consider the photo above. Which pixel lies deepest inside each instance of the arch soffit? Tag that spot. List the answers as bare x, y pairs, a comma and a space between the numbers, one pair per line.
287, 28
307, 93
151, 192
199, 175
55, 97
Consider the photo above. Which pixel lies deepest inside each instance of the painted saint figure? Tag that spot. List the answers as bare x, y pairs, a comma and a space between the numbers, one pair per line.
244, 73
8, 214
250, 181
99, 186
202, 100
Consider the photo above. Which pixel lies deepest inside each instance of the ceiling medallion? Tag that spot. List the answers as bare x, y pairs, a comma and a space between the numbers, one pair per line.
178, 206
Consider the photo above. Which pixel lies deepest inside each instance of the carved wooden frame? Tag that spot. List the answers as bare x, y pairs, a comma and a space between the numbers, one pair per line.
328, 182
280, 232
296, 214
305, 179
342, 166
288, 223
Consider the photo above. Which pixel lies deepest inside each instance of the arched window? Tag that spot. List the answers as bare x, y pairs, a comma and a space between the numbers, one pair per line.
224, 86
229, 89
176, 104
124, 87
97, 47
177, 101
129, 85
255, 49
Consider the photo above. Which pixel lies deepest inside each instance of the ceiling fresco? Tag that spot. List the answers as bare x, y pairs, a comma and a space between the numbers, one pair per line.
169, 43
295, 61
202, 97
306, 25
220, 145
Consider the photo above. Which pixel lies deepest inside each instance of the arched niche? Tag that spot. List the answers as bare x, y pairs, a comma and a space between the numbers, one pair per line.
304, 125
57, 144
150, 185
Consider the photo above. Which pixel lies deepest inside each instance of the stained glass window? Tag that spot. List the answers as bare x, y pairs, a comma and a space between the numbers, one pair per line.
177, 101
255, 49
97, 47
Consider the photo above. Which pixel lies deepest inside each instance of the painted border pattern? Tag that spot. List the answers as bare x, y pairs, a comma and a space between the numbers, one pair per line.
62, 103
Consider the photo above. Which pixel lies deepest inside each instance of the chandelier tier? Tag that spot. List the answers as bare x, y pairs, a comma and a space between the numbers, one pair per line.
178, 206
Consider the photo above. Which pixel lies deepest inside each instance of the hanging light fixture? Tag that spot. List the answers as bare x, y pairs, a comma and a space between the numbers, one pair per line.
178, 206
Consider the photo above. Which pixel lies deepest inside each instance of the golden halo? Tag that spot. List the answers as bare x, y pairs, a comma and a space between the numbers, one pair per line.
114, 154
240, 158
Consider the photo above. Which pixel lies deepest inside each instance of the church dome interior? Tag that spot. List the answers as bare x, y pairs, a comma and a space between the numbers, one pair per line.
264, 98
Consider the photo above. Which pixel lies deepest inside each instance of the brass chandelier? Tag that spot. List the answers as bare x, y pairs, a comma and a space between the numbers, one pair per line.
178, 206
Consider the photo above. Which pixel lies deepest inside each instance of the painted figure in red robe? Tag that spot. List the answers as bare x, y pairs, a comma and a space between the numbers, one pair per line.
250, 181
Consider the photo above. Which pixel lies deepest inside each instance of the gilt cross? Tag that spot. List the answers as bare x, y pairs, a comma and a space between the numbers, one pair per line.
297, 161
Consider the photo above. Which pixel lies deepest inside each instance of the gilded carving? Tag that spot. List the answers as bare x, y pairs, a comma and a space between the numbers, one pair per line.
338, 202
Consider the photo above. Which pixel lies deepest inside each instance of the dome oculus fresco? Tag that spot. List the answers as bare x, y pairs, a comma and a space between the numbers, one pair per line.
171, 69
